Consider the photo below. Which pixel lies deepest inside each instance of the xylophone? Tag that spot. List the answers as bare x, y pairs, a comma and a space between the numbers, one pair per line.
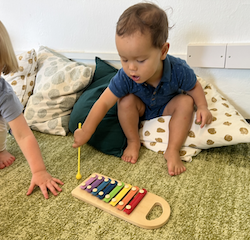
122, 200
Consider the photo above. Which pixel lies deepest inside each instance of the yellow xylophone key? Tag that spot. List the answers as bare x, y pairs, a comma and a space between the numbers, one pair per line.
120, 195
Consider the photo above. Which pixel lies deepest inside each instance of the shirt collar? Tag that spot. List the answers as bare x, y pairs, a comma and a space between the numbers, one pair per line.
166, 77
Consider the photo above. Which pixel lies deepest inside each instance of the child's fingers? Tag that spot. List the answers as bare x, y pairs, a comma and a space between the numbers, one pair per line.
44, 191
203, 123
198, 117
31, 188
210, 119
55, 185
53, 190
46, 184
206, 120
58, 181
75, 145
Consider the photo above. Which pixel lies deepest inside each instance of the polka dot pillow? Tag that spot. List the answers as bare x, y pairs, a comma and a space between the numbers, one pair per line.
227, 128
23, 81
59, 84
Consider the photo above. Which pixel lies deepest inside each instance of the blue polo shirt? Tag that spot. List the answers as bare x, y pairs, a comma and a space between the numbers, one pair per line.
177, 77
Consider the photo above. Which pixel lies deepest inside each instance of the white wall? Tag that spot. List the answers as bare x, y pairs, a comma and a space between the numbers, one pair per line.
89, 26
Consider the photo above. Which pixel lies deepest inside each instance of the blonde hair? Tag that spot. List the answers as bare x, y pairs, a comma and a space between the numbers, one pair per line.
8, 61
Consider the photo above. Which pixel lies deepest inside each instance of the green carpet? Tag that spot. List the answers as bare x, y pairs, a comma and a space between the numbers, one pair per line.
209, 201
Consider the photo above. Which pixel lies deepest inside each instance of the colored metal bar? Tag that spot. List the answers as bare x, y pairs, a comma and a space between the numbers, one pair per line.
92, 179
127, 198
105, 182
107, 190
131, 206
120, 195
95, 184
117, 189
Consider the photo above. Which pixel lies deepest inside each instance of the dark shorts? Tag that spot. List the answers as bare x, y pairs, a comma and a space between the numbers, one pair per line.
151, 113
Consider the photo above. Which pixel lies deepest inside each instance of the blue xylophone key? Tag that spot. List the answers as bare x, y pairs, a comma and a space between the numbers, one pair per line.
95, 191
108, 189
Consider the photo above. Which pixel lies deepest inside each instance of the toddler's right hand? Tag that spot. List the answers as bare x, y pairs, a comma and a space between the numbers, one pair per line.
80, 138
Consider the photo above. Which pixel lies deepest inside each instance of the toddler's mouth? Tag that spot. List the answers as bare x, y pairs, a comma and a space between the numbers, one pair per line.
135, 78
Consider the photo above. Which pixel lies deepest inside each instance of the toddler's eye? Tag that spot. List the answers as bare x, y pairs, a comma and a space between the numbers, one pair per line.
124, 60
141, 61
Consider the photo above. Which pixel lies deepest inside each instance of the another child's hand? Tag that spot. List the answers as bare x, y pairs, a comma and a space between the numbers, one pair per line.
203, 116
45, 181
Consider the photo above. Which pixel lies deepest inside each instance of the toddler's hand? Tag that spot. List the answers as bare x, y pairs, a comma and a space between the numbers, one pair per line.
77, 138
80, 137
45, 181
203, 116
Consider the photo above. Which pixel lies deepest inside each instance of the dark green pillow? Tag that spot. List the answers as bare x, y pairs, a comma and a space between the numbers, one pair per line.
108, 137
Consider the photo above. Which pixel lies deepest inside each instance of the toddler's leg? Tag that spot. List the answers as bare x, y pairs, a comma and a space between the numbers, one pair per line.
181, 109
6, 159
130, 108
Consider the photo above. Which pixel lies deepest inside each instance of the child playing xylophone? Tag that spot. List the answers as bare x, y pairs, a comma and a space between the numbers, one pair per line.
150, 84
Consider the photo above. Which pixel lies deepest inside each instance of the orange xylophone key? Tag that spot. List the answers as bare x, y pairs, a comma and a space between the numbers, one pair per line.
128, 197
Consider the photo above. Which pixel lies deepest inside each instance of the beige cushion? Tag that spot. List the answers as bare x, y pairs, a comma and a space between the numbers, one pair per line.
23, 81
228, 128
59, 83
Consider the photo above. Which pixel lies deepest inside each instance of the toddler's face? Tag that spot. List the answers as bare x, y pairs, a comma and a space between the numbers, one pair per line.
141, 61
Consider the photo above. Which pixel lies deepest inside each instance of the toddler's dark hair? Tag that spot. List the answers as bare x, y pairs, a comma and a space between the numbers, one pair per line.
144, 17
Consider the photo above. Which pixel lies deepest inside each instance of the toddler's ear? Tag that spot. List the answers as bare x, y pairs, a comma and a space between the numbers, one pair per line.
164, 50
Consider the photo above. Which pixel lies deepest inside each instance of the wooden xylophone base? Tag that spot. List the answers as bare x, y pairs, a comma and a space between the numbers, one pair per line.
138, 217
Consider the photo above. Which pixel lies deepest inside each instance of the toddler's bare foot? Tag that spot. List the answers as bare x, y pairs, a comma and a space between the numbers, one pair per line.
175, 165
131, 152
6, 159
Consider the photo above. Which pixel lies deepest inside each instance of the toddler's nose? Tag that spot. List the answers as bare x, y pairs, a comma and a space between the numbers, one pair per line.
132, 67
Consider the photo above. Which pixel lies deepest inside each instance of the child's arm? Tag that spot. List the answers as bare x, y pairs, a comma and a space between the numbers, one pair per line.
203, 115
29, 146
95, 116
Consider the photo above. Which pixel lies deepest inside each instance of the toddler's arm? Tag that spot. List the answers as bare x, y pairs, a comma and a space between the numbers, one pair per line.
203, 115
95, 116
29, 146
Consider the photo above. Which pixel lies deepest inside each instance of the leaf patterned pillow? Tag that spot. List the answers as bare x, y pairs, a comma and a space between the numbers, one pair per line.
23, 81
227, 128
